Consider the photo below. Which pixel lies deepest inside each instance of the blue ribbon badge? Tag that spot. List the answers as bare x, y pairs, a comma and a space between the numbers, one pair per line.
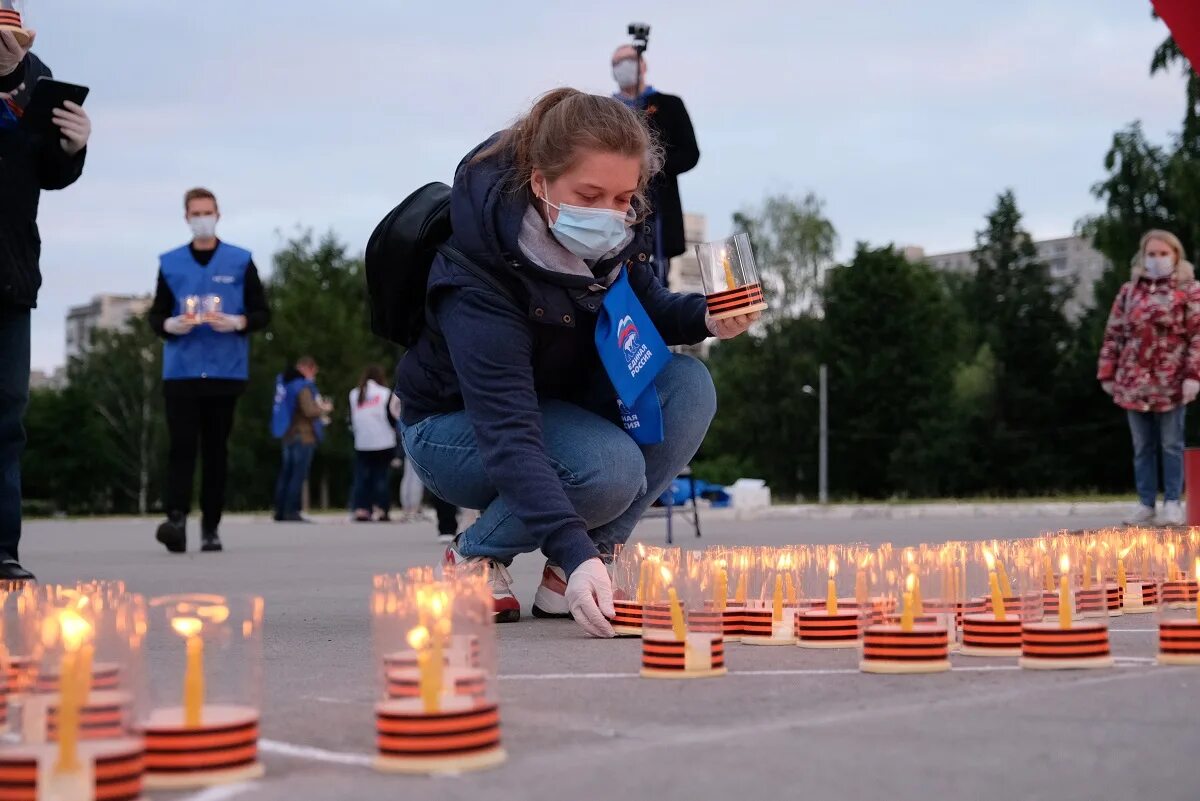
632, 352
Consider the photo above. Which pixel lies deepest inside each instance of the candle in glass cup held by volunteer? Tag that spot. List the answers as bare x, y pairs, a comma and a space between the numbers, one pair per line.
192, 305
437, 712
730, 277
210, 305
205, 700
15, 20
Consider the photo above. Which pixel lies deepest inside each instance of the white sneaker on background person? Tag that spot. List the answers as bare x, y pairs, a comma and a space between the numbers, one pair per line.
505, 606
1141, 515
1172, 514
550, 600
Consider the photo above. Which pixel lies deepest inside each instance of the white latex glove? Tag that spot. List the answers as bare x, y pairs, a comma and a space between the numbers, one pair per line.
225, 323
731, 327
1107, 386
590, 598
12, 53
75, 126
1191, 388
179, 325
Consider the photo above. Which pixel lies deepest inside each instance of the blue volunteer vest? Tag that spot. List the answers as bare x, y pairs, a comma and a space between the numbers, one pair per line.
632, 352
204, 353
287, 398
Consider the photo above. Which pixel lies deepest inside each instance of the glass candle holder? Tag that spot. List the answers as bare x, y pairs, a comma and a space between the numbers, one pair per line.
769, 618
1179, 630
435, 660
837, 583
191, 306
13, 18
730, 277
906, 640
682, 635
206, 692
210, 304
991, 624
77, 740
628, 574
1063, 640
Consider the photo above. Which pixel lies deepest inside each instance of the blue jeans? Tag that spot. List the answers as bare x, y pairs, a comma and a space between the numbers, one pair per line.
14, 396
1154, 432
297, 458
371, 479
609, 479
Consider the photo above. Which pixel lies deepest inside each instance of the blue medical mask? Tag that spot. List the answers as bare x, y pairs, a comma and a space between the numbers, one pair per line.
1159, 266
588, 233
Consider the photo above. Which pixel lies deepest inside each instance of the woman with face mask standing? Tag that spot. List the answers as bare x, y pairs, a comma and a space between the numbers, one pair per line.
509, 398
1150, 365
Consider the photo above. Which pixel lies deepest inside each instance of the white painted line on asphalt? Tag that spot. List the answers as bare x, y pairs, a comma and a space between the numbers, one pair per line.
1131, 631
1132, 660
315, 754
220, 793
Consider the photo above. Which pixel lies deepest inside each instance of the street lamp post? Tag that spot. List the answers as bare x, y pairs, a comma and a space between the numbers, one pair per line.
823, 436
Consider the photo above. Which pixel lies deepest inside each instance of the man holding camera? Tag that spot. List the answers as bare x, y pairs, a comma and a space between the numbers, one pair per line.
30, 161
669, 120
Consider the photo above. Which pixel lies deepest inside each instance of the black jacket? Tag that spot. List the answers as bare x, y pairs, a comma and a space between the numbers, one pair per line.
669, 119
28, 164
499, 361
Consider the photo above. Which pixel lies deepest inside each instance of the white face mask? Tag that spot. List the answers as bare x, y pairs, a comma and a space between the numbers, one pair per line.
1159, 266
203, 226
625, 73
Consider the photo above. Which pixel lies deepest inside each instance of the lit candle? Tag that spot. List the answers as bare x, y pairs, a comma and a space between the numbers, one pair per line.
831, 596
190, 304
1172, 568
193, 676
641, 585
785, 564
74, 630
730, 283
777, 600
860, 587
739, 595
1047, 571
677, 624
1064, 592
1005, 584
918, 602
994, 583
1087, 570
721, 592
430, 672
906, 617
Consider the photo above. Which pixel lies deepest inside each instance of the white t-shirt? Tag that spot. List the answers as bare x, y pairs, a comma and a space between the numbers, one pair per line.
372, 431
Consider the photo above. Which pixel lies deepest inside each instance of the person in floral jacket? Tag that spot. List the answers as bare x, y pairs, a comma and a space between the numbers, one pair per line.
1150, 365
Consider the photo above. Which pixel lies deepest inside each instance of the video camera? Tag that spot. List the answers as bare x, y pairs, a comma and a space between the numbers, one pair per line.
640, 31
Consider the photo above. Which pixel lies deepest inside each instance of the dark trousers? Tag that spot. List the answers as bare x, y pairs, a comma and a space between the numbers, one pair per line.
204, 422
293, 471
14, 397
447, 515
371, 479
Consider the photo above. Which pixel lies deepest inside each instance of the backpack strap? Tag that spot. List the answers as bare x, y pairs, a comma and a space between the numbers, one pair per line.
458, 257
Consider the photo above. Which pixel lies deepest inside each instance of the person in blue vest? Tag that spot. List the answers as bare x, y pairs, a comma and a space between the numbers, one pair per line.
208, 300
546, 397
298, 419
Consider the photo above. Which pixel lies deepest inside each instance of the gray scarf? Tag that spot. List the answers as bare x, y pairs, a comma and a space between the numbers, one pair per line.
540, 247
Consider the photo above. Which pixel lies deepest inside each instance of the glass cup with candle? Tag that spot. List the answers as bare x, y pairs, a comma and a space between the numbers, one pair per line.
210, 306
730, 277
1055, 635
191, 307
628, 574
435, 667
209, 681
901, 636
1179, 628
21, 647
1179, 588
769, 619
682, 635
838, 584
15, 19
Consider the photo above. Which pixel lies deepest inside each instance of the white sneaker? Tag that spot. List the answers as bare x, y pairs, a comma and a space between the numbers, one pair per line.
1172, 514
505, 605
550, 600
1140, 516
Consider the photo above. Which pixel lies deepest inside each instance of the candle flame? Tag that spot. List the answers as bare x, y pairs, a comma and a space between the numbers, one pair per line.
418, 637
641, 549
1124, 552
665, 572
437, 604
833, 566
1196, 569
187, 626
991, 560
214, 614
785, 561
74, 629
1064, 563
910, 582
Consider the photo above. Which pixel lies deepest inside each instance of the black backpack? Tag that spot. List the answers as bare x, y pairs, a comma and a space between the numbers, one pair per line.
398, 257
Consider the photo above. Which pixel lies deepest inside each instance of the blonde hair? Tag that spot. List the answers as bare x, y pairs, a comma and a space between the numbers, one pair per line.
1184, 271
564, 122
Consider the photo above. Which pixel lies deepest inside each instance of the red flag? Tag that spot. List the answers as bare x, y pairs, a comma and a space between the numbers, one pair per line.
1183, 20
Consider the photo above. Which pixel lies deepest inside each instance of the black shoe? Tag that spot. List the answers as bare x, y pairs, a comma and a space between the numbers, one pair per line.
384, 518
173, 532
11, 570
296, 519
210, 541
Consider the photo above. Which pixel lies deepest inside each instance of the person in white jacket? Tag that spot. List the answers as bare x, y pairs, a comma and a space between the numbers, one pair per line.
374, 445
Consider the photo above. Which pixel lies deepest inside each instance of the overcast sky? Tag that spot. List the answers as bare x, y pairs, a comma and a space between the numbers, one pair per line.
907, 118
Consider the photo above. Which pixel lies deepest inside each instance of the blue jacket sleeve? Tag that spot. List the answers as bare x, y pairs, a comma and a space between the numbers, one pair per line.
679, 318
491, 348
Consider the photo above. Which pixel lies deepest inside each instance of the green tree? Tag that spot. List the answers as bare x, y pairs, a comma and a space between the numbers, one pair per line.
68, 462
793, 247
889, 339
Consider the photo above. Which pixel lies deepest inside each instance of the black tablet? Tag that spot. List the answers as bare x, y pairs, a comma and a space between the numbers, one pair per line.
49, 94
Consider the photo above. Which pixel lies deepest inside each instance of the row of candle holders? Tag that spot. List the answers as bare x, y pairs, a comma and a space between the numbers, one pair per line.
1046, 600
